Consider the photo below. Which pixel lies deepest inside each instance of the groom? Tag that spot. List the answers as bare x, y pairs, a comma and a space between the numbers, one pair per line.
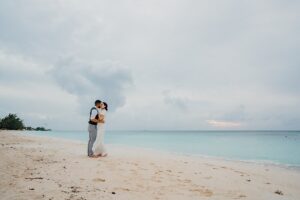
93, 121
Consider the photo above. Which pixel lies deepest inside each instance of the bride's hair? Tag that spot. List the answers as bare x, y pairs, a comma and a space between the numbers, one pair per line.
106, 108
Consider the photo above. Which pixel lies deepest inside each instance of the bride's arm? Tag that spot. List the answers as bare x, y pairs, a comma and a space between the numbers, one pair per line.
101, 118
102, 114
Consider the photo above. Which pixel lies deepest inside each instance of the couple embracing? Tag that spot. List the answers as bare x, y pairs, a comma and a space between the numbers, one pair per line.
96, 130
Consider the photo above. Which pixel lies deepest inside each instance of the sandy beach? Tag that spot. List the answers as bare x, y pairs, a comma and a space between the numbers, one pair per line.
34, 167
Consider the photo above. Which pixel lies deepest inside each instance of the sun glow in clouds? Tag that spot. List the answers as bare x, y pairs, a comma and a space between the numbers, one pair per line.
223, 124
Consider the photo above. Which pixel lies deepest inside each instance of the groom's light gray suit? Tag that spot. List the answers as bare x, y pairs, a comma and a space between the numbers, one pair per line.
92, 129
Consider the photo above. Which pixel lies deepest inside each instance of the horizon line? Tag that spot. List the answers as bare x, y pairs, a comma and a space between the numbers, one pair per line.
145, 130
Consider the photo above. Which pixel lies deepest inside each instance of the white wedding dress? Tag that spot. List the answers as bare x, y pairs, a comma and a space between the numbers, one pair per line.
98, 147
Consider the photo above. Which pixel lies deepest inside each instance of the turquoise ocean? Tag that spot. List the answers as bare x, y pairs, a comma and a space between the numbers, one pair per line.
276, 147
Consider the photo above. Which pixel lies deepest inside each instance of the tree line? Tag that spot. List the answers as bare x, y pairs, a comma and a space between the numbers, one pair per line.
13, 122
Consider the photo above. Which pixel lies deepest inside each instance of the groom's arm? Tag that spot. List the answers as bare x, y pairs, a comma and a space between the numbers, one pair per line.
94, 114
98, 120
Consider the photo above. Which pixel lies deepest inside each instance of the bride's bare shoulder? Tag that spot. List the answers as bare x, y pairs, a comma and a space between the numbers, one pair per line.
103, 112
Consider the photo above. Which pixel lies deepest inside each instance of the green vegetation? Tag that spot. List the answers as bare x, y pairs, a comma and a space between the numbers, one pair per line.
42, 129
13, 122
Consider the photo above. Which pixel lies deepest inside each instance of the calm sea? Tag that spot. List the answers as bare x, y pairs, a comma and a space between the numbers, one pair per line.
280, 147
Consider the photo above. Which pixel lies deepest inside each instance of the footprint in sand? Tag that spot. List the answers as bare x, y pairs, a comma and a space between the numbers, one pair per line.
241, 173
121, 188
203, 192
140, 185
141, 168
75, 189
99, 180
184, 180
278, 192
158, 172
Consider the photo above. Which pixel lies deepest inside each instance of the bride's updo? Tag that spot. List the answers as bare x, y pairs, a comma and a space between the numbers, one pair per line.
105, 104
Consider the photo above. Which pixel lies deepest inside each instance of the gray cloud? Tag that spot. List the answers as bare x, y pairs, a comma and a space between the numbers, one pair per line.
237, 114
89, 81
178, 103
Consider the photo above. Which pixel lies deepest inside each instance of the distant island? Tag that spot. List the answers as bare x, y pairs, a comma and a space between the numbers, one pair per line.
29, 128
13, 122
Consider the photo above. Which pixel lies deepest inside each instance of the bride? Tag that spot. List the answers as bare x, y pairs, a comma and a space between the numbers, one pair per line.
98, 147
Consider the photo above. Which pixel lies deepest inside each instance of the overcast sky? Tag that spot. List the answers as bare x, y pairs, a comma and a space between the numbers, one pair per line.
159, 64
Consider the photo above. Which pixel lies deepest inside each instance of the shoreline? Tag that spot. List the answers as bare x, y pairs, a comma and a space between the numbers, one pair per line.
201, 156
42, 167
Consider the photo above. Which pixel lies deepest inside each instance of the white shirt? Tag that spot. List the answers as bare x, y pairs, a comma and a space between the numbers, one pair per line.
94, 113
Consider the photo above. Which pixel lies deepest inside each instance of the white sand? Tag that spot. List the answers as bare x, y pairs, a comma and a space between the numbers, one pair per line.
49, 168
